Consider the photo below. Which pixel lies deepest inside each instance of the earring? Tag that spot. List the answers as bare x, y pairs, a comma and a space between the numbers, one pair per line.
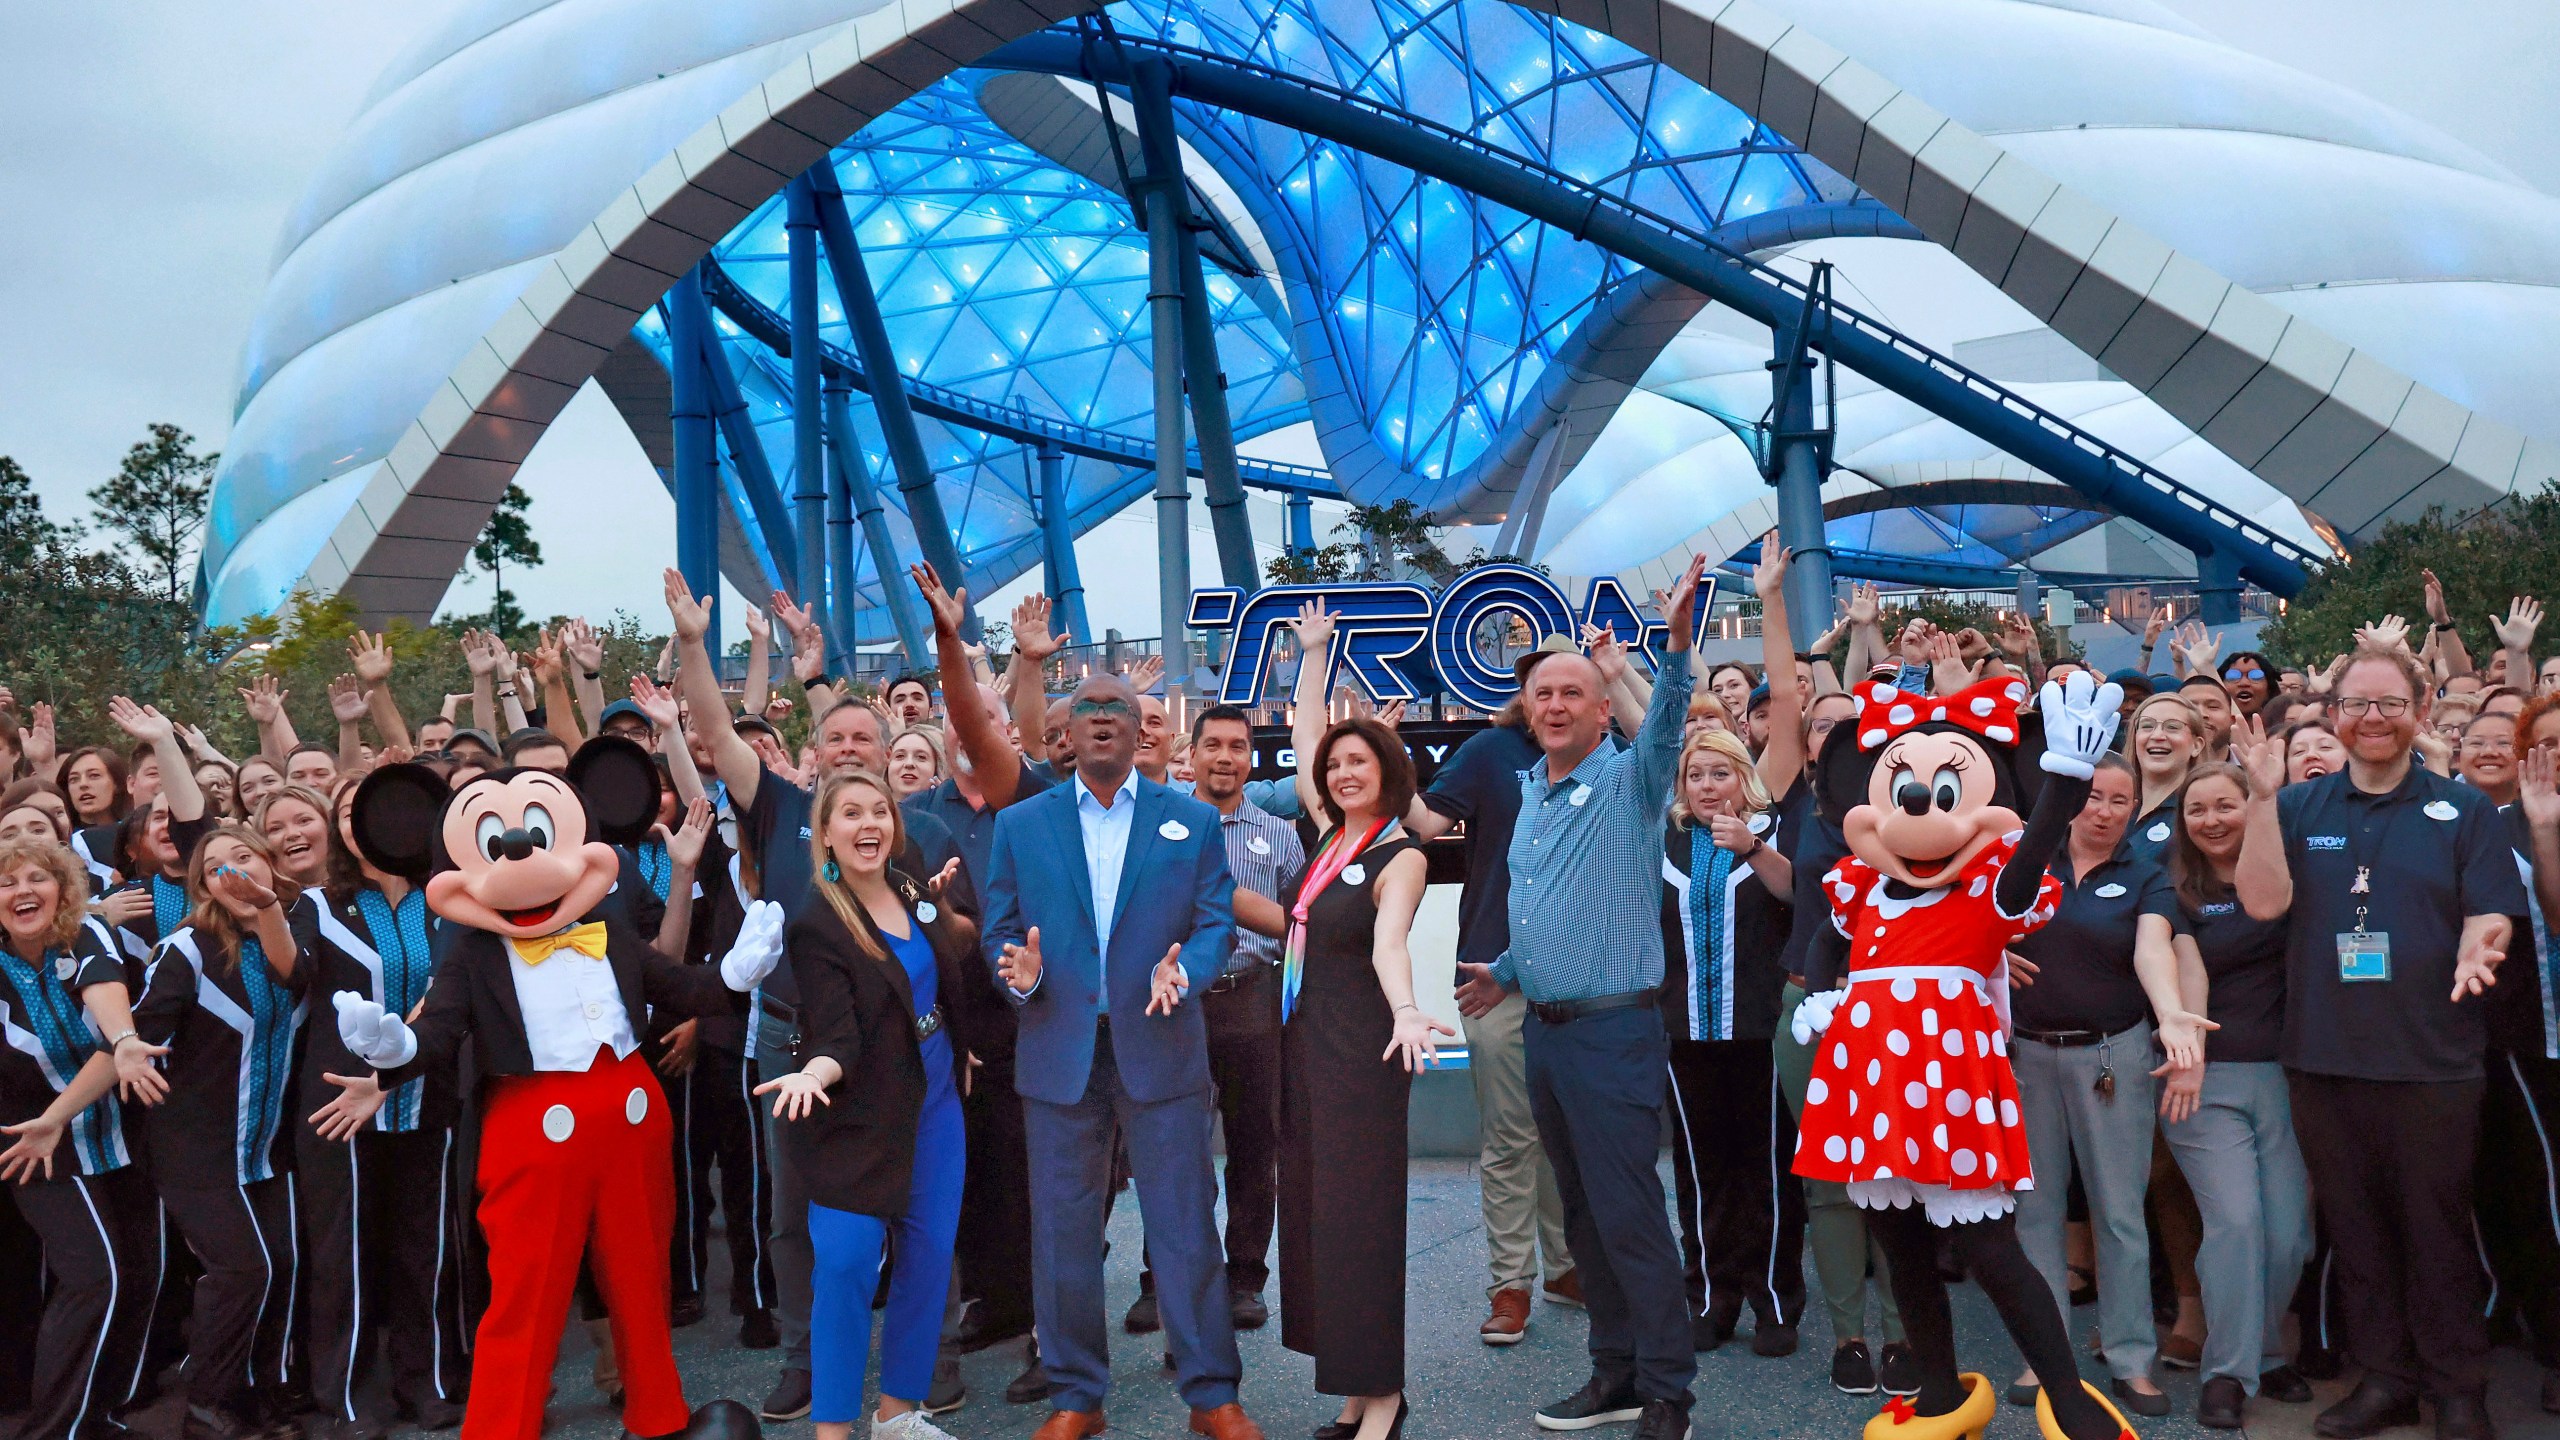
832, 873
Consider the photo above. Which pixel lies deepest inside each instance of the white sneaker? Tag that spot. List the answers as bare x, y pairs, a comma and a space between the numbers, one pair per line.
913, 1425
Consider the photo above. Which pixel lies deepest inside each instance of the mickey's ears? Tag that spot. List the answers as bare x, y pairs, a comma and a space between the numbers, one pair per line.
395, 819
619, 782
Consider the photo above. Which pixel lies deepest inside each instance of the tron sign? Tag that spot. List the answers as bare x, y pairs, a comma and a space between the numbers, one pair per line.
1383, 624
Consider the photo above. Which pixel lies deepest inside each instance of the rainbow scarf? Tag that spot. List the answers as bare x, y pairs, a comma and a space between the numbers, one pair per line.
1338, 853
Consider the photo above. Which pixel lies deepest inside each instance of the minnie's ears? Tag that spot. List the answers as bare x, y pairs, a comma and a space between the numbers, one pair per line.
619, 782
395, 819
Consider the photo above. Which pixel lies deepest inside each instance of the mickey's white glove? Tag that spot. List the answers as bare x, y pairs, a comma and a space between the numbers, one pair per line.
2080, 718
1814, 1015
378, 1037
758, 950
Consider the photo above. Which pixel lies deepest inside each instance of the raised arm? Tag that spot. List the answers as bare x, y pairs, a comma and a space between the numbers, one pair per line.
732, 758
510, 687
666, 718
991, 756
371, 655
265, 704
481, 656
178, 788
1657, 745
1310, 714
559, 710
1628, 692
1866, 632
759, 661
1026, 686
2080, 719
2539, 792
583, 648
2262, 877
808, 654
2515, 639
1782, 760
2441, 629
347, 707
684, 860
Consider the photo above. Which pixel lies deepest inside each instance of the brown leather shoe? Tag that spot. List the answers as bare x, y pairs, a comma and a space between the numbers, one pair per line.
1069, 1425
1566, 1289
1227, 1422
1509, 1322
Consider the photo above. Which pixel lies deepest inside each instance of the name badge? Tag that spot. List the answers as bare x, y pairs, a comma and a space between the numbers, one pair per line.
927, 913
1257, 845
2442, 810
2160, 833
1354, 873
64, 969
1174, 830
2110, 890
2364, 955
1580, 798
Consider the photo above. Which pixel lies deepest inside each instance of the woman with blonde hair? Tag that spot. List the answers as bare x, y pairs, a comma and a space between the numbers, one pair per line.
2164, 739
918, 759
880, 970
1725, 909
88, 1203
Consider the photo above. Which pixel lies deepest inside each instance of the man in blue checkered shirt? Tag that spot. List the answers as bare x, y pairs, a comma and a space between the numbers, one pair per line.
1586, 950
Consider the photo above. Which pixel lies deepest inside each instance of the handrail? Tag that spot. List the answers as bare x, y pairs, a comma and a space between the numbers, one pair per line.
2279, 563
744, 309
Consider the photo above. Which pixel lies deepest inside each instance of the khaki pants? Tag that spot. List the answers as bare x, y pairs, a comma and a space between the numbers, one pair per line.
1523, 1215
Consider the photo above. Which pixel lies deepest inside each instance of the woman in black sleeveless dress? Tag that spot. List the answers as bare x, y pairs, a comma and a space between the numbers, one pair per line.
1351, 1038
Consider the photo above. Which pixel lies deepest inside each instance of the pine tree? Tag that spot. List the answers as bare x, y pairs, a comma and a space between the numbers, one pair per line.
508, 537
157, 502
26, 536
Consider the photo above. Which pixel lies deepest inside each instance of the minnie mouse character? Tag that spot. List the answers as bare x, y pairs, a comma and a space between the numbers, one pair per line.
1912, 1104
574, 1161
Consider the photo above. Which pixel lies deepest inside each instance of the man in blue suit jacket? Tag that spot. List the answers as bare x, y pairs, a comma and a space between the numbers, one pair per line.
1108, 897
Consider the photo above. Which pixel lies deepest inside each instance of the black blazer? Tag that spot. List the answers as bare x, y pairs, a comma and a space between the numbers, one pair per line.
858, 1154
473, 996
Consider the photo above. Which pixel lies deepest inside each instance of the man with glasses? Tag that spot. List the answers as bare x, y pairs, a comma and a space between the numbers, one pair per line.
2398, 886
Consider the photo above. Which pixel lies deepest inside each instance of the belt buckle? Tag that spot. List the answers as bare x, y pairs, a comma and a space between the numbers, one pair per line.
929, 1023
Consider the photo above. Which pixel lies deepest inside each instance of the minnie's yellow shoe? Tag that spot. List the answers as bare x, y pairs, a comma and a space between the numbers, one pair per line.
2052, 1431
1897, 1420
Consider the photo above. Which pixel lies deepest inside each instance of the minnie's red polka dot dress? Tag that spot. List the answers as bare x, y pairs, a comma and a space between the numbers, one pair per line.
1911, 1096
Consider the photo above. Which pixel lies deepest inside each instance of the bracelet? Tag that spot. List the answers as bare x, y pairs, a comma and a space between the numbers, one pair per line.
1416, 1009
594, 674
507, 691
117, 1040
2440, 629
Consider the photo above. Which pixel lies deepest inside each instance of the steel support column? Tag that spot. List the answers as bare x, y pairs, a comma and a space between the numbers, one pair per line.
766, 513
1301, 510
1064, 582
1799, 466
1204, 379
852, 471
1157, 197
843, 585
934, 539
2218, 586
808, 435
697, 482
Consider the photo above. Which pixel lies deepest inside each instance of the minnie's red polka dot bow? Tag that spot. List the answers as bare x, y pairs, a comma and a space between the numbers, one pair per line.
1988, 709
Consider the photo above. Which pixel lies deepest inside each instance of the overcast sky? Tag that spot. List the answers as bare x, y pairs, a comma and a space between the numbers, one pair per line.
153, 147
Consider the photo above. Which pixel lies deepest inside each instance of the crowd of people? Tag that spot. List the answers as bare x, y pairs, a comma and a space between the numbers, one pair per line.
2261, 1058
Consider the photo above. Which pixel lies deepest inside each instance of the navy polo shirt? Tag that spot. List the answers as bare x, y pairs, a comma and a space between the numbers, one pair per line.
973, 827
2438, 854
1480, 788
2149, 835
2244, 965
2084, 957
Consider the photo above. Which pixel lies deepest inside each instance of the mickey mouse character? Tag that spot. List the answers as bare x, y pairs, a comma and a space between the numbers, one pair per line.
1912, 1104
574, 1160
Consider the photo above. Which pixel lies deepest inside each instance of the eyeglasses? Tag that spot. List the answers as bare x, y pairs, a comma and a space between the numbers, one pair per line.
2150, 726
1100, 707
2489, 745
2252, 673
2391, 706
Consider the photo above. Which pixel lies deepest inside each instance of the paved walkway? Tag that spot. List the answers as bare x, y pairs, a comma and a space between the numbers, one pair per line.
1458, 1386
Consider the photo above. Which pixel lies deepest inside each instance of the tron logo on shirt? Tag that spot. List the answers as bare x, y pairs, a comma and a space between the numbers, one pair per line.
2324, 842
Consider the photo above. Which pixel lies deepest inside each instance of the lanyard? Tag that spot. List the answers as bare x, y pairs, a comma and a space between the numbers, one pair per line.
2360, 843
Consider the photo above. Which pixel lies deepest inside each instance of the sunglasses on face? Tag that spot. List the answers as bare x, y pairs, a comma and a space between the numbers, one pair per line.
1101, 707
2252, 673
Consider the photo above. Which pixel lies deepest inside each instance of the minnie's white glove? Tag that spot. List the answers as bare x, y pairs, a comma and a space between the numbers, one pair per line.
1814, 1015
758, 950
378, 1037
2080, 718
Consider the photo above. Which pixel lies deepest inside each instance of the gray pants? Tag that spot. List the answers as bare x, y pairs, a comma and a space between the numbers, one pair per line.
1523, 1215
788, 1245
2239, 1156
2069, 1123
